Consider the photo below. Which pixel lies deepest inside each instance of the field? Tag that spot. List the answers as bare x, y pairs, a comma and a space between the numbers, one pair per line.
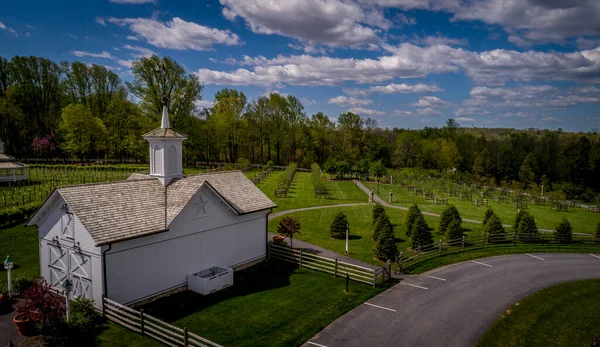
581, 220
562, 315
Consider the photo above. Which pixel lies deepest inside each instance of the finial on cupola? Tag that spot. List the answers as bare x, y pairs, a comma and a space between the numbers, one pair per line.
165, 114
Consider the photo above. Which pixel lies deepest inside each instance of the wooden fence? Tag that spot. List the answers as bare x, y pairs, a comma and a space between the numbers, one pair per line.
331, 266
152, 327
513, 239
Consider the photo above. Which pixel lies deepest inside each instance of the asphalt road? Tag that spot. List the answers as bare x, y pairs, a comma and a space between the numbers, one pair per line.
455, 304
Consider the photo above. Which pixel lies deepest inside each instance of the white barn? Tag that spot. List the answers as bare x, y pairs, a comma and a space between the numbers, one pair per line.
136, 239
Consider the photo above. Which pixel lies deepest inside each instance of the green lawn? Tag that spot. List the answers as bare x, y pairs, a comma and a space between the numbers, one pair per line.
114, 335
315, 229
562, 315
581, 220
271, 304
301, 193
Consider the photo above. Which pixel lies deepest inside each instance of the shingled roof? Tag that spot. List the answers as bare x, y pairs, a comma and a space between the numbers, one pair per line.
117, 211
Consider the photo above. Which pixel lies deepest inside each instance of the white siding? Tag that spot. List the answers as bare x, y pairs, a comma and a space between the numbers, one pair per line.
142, 267
50, 227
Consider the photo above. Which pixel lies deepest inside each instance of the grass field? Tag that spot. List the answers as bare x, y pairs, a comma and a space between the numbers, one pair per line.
315, 229
301, 193
271, 304
562, 315
581, 220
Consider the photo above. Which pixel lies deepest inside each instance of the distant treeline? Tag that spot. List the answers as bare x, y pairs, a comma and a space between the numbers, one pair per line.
50, 109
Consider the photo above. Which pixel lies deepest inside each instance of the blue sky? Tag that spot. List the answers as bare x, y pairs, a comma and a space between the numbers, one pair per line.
405, 63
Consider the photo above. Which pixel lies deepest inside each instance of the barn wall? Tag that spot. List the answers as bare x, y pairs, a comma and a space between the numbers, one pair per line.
49, 228
204, 234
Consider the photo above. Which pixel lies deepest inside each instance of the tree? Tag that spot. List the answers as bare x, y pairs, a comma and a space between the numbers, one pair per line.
377, 211
420, 234
82, 130
493, 227
455, 230
488, 213
527, 171
408, 149
338, 227
528, 230
598, 232
411, 216
378, 170
331, 167
448, 215
288, 226
228, 108
385, 248
564, 231
517, 221
383, 222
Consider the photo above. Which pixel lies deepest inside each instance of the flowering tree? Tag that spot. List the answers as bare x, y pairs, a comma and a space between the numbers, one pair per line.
44, 307
43, 145
288, 226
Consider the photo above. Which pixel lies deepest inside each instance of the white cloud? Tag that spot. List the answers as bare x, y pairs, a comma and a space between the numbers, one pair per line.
333, 23
585, 43
402, 19
403, 113
428, 111
100, 21
365, 111
202, 104
213, 60
404, 88
9, 31
533, 96
141, 51
133, 2
441, 40
344, 101
73, 36
103, 55
430, 101
464, 119
132, 38
177, 33
2, 26
470, 111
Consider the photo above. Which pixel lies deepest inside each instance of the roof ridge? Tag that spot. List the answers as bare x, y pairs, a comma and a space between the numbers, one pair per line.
212, 173
105, 183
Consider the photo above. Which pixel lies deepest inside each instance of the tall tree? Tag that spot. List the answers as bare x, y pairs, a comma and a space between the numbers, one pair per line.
228, 110
83, 131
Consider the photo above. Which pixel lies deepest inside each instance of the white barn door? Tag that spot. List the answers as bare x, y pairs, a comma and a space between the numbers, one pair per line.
66, 263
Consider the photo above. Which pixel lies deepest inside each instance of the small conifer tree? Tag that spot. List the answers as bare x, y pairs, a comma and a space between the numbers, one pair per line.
447, 216
377, 211
385, 248
411, 216
518, 218
488, 213
564, 231
494, 229
382, 223
598, 232
455, 230
420, 234
338, 227
528, 231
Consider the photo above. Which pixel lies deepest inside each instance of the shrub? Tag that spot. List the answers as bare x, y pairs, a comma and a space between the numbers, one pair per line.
338, 227
21, 284
494, 229
385, 248
564, 231
420, 234
518, 218
377, 211
598, 232
527, 228
382, 223
44, 307
488, 213
288, 226
15, 215
84, 318
447, 216
411, 216
455, 230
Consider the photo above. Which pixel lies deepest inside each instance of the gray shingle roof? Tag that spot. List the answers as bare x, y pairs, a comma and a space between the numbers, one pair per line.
164, 132
11, 165
116, 211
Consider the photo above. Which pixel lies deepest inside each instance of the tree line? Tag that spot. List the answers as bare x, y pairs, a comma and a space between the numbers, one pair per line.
80, 110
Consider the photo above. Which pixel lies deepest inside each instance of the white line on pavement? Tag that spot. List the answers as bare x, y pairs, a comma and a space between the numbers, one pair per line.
593, 255
484, 264
414, 285
385, 308
315, 344
533, 256
436, 278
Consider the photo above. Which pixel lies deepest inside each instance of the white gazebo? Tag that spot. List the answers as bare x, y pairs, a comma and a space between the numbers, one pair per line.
10, 169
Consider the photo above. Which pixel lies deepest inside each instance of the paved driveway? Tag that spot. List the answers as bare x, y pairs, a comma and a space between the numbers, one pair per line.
453, 305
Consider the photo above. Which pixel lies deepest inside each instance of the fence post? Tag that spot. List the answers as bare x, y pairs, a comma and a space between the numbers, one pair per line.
419, 252
487, 239
463, 243
374, 277
142, 321
300, 256
268, 250
440, 246
543, 238
400, 263
335, 270
185, 337
514, 238
103, 304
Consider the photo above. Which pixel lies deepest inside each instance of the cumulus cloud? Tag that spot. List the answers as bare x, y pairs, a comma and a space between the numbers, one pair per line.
202, 104
430, 101
428, 111
494, 67
403, 113
103, 55
464, 119
441, 40
538, 96
344, 101
470, 111
404, 88
100, 20
177, 33
2, 26
333, 23
140, 51
365, 111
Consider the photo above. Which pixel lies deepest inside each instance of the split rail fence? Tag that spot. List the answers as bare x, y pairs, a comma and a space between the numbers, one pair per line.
331, 266
436, 249
152, 327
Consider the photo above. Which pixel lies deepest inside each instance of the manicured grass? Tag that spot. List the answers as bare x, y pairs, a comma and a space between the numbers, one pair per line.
315, 229
562, 315
301, 193
271, 304
581, 220
114, 335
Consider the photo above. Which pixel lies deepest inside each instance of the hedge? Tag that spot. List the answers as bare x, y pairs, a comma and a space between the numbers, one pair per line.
15, 215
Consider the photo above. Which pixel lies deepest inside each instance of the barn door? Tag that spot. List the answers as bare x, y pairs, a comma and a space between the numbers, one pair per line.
58, 265
66, 263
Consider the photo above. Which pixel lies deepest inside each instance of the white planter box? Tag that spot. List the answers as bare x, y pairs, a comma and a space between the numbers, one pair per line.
210, 280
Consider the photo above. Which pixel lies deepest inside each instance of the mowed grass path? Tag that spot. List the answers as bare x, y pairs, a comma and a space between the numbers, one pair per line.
301, 193
270, 304
581, 220
315, 229
562, 315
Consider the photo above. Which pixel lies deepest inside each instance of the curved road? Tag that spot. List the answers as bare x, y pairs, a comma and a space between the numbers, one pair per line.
453, 305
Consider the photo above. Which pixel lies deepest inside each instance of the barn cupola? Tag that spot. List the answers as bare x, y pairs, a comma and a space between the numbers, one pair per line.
166, 159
